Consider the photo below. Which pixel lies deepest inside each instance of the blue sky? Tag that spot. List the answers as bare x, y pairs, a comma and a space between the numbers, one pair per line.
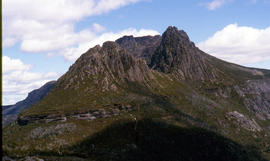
41, 39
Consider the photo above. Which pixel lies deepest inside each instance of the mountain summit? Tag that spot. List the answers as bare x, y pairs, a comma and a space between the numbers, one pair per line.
178, 54
148, 98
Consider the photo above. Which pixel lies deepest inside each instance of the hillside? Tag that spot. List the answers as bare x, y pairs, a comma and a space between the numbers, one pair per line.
148, 98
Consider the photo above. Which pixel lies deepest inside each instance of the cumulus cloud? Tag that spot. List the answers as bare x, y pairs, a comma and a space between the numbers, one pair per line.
54, 39
60, 10
239, 44
44, 26
13, 64
18, 80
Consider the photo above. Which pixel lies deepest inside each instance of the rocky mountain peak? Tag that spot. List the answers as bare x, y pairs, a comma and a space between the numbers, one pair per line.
177, 54
105, 66
173, 33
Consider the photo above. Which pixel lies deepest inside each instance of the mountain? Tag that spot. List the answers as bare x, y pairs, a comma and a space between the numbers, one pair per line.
10, 113
148, 98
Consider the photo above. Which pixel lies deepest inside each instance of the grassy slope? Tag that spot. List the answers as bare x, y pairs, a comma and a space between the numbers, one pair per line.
159, 137
174, 103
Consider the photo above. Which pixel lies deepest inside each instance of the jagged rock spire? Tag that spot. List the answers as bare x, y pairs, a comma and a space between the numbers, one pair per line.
178, 54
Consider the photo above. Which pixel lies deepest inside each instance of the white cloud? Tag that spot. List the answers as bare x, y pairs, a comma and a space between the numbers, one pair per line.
48, 26
215, 4
44, 26
239, 44
13, 64
59, 10
73, 53
54, 39
18, 80
12, 99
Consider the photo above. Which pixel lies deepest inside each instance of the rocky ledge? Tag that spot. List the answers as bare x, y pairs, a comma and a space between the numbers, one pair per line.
256, 97
243, 121
107, 111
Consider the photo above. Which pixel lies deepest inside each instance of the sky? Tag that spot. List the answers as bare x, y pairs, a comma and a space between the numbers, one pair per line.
42, 39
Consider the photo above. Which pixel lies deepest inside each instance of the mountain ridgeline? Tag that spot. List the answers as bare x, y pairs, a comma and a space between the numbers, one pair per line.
148, 98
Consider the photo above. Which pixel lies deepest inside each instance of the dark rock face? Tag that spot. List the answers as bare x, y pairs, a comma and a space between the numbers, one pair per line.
10, 114
140, 47
178, 54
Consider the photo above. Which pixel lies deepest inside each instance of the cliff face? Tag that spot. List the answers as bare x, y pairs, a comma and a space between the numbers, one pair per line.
140, 47
136, 94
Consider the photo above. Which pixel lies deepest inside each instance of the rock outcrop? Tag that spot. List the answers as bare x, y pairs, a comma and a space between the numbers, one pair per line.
243, 121
256, 97
108, 111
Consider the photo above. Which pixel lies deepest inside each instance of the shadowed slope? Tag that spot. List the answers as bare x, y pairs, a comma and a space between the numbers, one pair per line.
151, 140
